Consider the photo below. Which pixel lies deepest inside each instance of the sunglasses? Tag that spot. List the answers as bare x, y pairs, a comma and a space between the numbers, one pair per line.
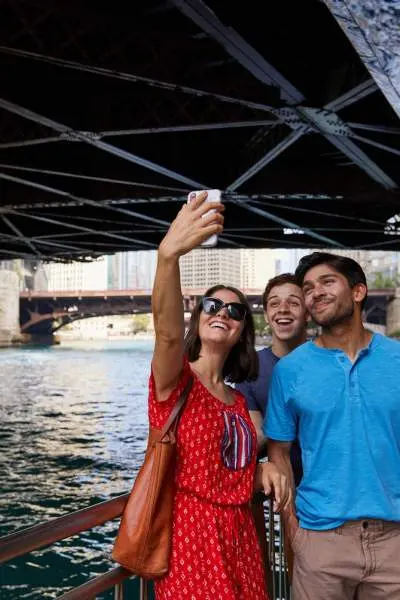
235, 310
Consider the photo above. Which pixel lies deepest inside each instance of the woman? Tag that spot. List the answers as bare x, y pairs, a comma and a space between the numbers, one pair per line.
215, 551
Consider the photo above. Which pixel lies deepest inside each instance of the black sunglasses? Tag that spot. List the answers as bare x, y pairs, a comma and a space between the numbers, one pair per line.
212, 306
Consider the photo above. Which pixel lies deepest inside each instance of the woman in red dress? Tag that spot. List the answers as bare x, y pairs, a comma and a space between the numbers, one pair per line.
215, 550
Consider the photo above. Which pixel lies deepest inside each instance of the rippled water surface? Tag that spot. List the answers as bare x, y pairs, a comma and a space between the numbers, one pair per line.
73, 431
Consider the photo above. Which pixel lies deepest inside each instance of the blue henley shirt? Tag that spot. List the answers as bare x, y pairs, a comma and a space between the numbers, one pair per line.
347, 419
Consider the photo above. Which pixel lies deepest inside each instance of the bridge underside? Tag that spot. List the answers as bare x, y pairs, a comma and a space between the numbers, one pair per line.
112, 111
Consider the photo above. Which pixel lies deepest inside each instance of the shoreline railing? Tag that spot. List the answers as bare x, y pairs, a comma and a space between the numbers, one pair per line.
36, 537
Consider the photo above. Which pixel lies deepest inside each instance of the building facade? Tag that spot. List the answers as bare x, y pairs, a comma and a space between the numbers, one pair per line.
203, 268
31, 273
382, 268
77, 275
131, 270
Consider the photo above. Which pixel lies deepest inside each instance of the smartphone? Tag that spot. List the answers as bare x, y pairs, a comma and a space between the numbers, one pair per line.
213, 196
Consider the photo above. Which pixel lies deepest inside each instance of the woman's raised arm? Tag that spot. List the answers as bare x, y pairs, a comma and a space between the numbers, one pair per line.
187, 231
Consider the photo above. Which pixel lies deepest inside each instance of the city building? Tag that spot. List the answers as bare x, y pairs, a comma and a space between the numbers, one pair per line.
31, 273
287, 260
77, 275
132, 270
203, 268
380, 267
257, 267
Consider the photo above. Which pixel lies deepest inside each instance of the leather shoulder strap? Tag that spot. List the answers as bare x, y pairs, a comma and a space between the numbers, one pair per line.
177, 407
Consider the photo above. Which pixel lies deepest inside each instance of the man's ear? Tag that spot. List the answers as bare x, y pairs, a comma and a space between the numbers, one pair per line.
359, 292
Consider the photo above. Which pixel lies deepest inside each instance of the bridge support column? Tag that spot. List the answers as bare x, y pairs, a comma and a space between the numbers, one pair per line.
9, 307
393, 315
39, 339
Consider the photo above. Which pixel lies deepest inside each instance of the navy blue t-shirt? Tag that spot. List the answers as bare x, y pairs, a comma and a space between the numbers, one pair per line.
256, 394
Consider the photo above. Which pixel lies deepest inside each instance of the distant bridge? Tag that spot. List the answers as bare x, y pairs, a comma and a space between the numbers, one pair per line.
43, 313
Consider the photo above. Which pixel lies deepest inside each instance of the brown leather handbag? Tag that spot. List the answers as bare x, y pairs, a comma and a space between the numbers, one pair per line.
143, 543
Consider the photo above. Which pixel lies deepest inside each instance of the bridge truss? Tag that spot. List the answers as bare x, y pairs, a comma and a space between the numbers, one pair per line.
112, 111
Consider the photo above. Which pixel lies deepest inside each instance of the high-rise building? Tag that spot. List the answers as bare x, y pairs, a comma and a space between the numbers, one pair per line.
243, 268
203, 268
287, 260
257, 267
77, 275
375, 263
132, 270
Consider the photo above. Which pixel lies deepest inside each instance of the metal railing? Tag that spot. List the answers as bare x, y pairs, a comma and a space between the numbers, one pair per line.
35, 538
279, 556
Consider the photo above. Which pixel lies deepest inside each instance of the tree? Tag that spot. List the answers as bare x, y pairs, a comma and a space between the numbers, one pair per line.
382, 281
260, 326
140, 323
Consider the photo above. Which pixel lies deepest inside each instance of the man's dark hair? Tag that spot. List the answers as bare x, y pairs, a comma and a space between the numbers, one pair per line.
242, 361
349, 268
276, 281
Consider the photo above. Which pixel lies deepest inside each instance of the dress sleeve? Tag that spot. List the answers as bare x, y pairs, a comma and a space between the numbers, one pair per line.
160, 411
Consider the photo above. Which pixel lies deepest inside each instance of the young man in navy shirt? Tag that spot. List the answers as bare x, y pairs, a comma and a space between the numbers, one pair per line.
340, 396
285, 312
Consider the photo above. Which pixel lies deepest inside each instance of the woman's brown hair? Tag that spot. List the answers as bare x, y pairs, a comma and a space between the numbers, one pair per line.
242, 361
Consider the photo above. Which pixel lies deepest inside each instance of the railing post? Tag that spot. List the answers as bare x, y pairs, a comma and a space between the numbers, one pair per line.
271, 543
144, 590
119, 591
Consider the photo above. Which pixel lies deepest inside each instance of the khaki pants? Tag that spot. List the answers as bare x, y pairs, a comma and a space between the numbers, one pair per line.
358, 561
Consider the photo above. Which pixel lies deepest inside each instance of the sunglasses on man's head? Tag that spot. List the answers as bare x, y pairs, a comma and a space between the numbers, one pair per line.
212, 306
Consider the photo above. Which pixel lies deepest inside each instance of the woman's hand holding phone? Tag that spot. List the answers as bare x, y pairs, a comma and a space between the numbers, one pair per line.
212, 196
198, 220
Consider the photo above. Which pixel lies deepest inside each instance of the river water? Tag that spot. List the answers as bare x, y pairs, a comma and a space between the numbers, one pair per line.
73, 432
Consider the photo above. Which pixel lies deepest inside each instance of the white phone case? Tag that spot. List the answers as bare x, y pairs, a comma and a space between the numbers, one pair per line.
212, 196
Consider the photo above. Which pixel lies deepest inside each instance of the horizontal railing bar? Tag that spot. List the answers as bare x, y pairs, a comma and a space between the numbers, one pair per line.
99, 584
36, 537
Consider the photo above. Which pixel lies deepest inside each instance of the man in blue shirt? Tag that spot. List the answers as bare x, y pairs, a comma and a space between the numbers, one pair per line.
285, 312
340, 395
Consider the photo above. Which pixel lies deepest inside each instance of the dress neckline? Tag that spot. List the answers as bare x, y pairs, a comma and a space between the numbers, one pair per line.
218, 400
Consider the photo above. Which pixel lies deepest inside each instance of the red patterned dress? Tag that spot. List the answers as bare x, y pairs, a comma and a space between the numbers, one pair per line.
215, 550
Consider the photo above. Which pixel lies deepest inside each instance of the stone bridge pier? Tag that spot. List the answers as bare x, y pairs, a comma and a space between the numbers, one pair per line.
9, 307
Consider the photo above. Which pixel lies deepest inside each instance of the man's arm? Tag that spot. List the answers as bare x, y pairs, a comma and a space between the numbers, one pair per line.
279, 454
280, 428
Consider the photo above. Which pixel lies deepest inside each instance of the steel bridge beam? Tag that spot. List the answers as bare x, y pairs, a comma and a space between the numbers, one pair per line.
249, 58
71, 134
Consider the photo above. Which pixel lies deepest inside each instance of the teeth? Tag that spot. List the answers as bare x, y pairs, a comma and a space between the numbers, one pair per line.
218, 325
284, 321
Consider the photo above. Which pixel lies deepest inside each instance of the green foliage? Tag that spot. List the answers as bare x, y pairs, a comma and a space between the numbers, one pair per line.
140, 323
260, 326
395, 334
381, 281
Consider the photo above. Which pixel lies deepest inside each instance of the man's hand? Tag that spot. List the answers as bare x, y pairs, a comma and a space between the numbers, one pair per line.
275, 483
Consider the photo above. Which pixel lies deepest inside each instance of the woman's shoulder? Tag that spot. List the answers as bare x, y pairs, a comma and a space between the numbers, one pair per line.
160, 410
